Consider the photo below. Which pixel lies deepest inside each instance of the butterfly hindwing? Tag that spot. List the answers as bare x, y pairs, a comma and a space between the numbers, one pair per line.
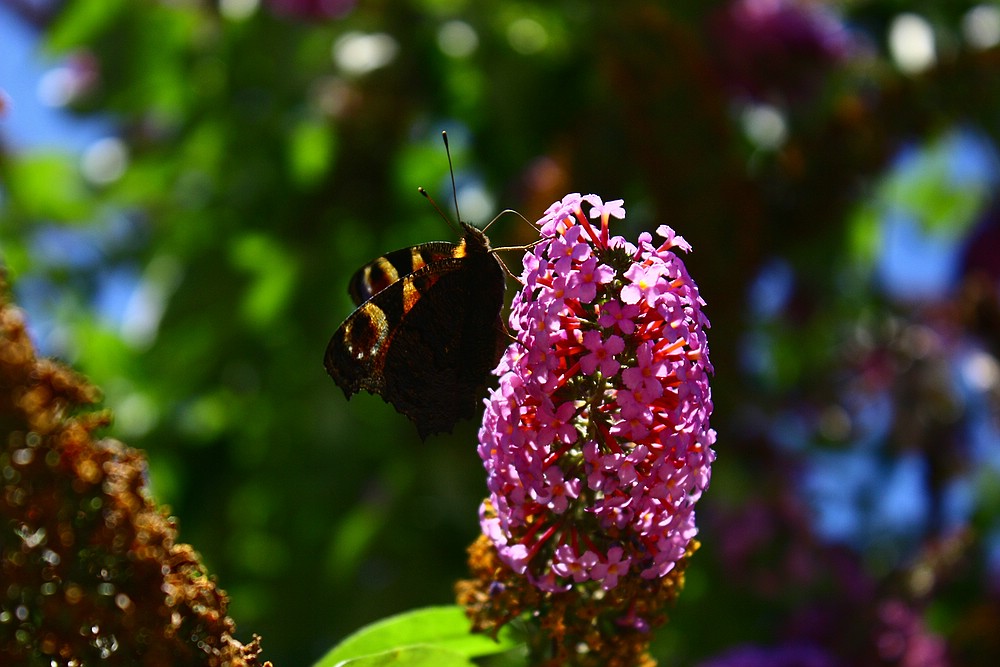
426, 341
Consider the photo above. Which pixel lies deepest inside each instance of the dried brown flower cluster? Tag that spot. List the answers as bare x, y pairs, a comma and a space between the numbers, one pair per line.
575, 627
90, 568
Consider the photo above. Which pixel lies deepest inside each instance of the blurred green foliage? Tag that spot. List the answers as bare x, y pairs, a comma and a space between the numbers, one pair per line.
267, 156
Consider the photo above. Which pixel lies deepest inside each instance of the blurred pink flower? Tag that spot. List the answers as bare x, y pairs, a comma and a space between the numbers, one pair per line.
312, 9
778, 48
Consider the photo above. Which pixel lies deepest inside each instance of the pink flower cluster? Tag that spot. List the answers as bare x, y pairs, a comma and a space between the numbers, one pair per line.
597, 442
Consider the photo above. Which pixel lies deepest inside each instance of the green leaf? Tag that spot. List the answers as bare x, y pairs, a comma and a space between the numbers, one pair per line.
80, 21
864, 228
310, 151
274, 274
926, 189
411, 656
47, 186
351, 539
431, 628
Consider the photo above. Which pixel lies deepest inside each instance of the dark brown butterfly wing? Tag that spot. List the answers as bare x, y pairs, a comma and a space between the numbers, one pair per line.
427, 342
379, 273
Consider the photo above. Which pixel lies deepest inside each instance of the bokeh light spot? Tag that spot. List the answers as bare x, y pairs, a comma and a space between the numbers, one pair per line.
358, 53
457, 39
238, 10
981, 26
56, 87
104, 161
911, 43
765, 126
527, 36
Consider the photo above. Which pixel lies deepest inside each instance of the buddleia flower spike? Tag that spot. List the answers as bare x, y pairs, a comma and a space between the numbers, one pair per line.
596, 442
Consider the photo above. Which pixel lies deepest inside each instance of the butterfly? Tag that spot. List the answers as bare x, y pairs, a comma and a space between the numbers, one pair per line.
427, 330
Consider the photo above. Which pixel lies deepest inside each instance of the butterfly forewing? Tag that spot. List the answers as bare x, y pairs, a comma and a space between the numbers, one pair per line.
381, 272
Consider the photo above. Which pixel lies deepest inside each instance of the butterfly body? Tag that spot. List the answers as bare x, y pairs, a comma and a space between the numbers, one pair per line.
427, 330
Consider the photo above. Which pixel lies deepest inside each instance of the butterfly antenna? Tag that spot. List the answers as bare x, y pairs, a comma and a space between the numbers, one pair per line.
437, 208
526, 246
518, 214
451, 170
454, 189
